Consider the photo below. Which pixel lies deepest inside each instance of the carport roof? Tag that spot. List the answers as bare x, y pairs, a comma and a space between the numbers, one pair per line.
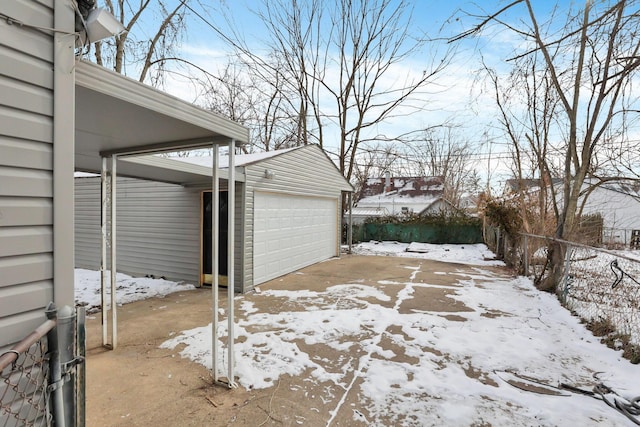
118, 115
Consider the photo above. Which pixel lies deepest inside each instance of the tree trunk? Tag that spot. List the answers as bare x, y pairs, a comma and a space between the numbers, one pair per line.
555, 263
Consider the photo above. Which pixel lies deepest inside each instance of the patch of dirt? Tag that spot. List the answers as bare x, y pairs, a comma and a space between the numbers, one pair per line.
492, 314
433, 300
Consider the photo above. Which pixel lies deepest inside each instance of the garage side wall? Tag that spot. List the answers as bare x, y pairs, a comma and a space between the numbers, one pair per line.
158, 228
26, 168
305, 171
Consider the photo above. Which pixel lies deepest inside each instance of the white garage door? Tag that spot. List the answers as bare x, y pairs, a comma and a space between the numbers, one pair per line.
291, 232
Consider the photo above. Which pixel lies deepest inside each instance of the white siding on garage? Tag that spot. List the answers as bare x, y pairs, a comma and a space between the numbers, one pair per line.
26, 167
159, 224
302, 172
158, 228
292, 232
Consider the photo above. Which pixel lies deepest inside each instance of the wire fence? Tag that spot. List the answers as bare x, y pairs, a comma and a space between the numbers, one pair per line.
24, 395
42, 376
604, 288
600, 286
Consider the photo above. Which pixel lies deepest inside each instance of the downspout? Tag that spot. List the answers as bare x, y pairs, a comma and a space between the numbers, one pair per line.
62, 167
63, 148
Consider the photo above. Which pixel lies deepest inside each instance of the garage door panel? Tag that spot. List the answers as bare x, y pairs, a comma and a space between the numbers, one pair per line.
292, 232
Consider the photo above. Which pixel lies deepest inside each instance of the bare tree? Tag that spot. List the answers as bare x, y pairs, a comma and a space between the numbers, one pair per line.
295, 39
370, 37
442, 152
242, 93
335, 57
137, 51
528, 110
590, 59
375, 161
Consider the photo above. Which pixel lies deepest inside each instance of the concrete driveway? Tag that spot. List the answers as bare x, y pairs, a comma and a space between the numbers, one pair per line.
358, 358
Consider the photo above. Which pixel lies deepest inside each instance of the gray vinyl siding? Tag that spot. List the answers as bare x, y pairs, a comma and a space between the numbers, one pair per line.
26, 168
158, 228
305, 171
159, 224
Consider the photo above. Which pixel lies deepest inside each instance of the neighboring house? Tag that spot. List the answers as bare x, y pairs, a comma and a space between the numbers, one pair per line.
287, 209
528, 185
618, 204
400, 196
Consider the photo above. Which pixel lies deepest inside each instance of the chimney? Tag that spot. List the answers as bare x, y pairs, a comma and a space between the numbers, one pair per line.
387, 181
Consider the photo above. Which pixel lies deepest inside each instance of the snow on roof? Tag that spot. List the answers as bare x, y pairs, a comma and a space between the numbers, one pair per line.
393, 197
240, 159
431, 187
369, 211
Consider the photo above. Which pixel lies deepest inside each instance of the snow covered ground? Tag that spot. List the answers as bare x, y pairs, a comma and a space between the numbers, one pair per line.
128, 289
477, 254
459, 365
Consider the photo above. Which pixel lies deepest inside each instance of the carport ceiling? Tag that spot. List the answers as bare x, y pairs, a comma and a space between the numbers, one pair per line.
118, 115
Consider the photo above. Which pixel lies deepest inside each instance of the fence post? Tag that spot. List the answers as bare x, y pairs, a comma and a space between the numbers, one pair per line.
81, 373
55, 370
68, 361
565, 273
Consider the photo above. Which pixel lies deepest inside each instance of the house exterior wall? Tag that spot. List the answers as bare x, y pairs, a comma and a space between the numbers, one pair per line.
438, 207
395, 206
305, 171
620, 213
32, 141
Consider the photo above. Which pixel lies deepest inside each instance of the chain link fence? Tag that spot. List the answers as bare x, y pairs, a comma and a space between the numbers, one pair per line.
600, 286
42, 376
24, 391
603, 288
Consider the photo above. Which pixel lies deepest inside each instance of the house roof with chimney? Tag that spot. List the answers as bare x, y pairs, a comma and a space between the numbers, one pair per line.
420, 189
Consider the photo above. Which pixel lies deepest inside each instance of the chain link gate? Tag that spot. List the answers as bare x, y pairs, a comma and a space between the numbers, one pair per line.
42, 376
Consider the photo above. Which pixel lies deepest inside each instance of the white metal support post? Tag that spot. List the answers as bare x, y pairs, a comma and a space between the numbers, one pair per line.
104, 183
114, 316
108, 177
231, 213
215, 243
350, 229
215, 221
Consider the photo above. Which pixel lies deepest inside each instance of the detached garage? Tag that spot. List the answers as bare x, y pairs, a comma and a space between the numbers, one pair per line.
287, 216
